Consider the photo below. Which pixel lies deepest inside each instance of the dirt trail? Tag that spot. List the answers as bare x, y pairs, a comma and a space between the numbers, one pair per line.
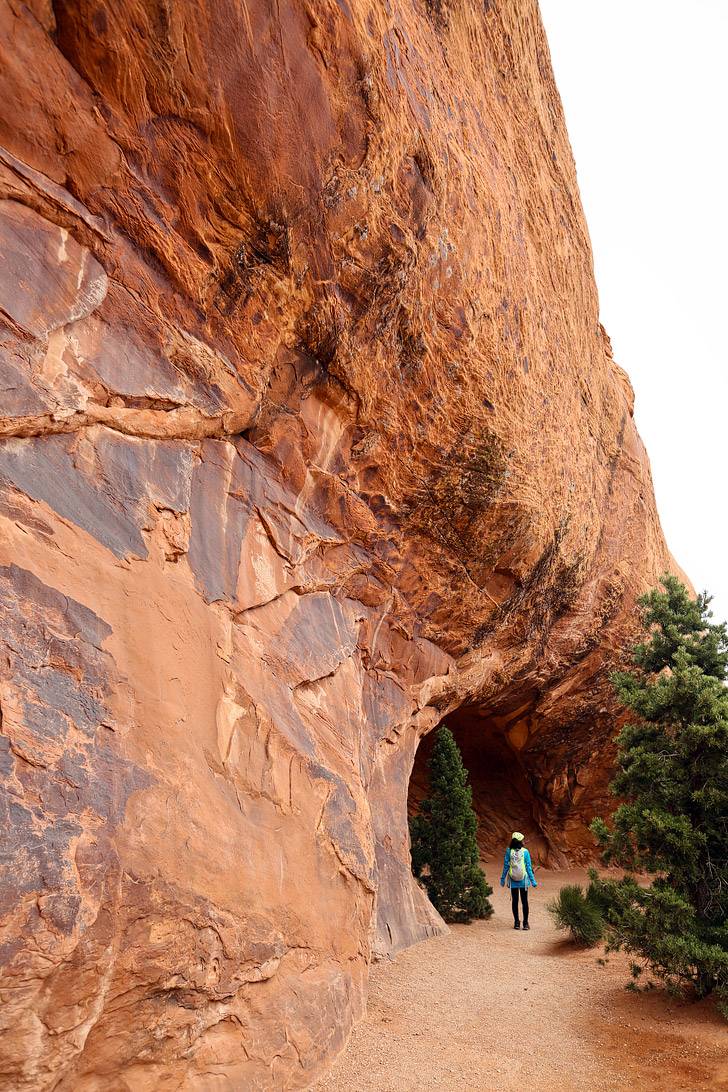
489, 1009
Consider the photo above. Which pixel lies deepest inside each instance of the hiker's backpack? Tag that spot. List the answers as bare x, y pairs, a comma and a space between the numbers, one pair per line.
517, 866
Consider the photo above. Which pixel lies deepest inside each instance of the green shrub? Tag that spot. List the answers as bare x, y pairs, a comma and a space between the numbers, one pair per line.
578, 912
597, 893
444, 850
672, 786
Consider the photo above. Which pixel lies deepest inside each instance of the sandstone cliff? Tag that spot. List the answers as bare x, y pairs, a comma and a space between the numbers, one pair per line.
310, 438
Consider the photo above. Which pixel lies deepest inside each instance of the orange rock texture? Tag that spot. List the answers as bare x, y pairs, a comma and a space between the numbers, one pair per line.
310, 439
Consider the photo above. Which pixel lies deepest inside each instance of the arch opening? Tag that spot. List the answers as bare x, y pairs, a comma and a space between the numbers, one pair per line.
509, 789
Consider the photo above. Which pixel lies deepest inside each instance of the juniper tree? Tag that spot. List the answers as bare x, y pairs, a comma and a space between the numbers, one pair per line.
672, 781
443, 838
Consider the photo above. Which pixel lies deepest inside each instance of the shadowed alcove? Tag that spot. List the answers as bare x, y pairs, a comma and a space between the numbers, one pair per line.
503, 795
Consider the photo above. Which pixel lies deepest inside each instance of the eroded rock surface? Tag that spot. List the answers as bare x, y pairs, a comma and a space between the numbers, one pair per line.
310, 437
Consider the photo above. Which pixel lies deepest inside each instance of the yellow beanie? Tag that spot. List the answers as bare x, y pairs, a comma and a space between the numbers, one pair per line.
517, 835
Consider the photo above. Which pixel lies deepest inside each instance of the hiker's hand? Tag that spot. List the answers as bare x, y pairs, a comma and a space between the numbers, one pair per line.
503, 883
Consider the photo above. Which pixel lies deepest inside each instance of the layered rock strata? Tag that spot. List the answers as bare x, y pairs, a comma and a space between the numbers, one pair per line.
310, 438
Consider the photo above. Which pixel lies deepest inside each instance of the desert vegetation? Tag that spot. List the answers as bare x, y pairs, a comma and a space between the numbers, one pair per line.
580, 912
444, 849
671, 821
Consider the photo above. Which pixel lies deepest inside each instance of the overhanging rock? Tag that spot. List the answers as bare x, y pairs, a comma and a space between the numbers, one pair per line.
310, 438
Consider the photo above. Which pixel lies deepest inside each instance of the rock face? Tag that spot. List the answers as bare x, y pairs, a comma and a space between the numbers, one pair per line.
310, 438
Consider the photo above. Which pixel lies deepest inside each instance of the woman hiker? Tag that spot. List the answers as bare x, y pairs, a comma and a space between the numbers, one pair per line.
517, 866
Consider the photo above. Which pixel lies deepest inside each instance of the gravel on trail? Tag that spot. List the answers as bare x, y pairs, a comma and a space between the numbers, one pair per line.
491, 1009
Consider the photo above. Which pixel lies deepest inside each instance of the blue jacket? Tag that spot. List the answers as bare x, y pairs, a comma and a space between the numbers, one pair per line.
528, 880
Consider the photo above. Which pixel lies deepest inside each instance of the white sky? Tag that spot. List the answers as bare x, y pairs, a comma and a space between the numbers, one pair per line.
644, 85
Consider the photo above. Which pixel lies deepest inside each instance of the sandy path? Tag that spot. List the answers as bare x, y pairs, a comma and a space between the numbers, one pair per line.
489, 1009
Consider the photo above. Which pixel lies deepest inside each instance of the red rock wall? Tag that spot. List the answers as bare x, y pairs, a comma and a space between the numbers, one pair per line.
310, 436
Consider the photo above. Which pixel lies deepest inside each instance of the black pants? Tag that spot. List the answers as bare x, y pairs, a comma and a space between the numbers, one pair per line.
524, 902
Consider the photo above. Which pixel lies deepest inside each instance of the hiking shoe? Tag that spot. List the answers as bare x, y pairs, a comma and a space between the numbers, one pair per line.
526, 925
517, 925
